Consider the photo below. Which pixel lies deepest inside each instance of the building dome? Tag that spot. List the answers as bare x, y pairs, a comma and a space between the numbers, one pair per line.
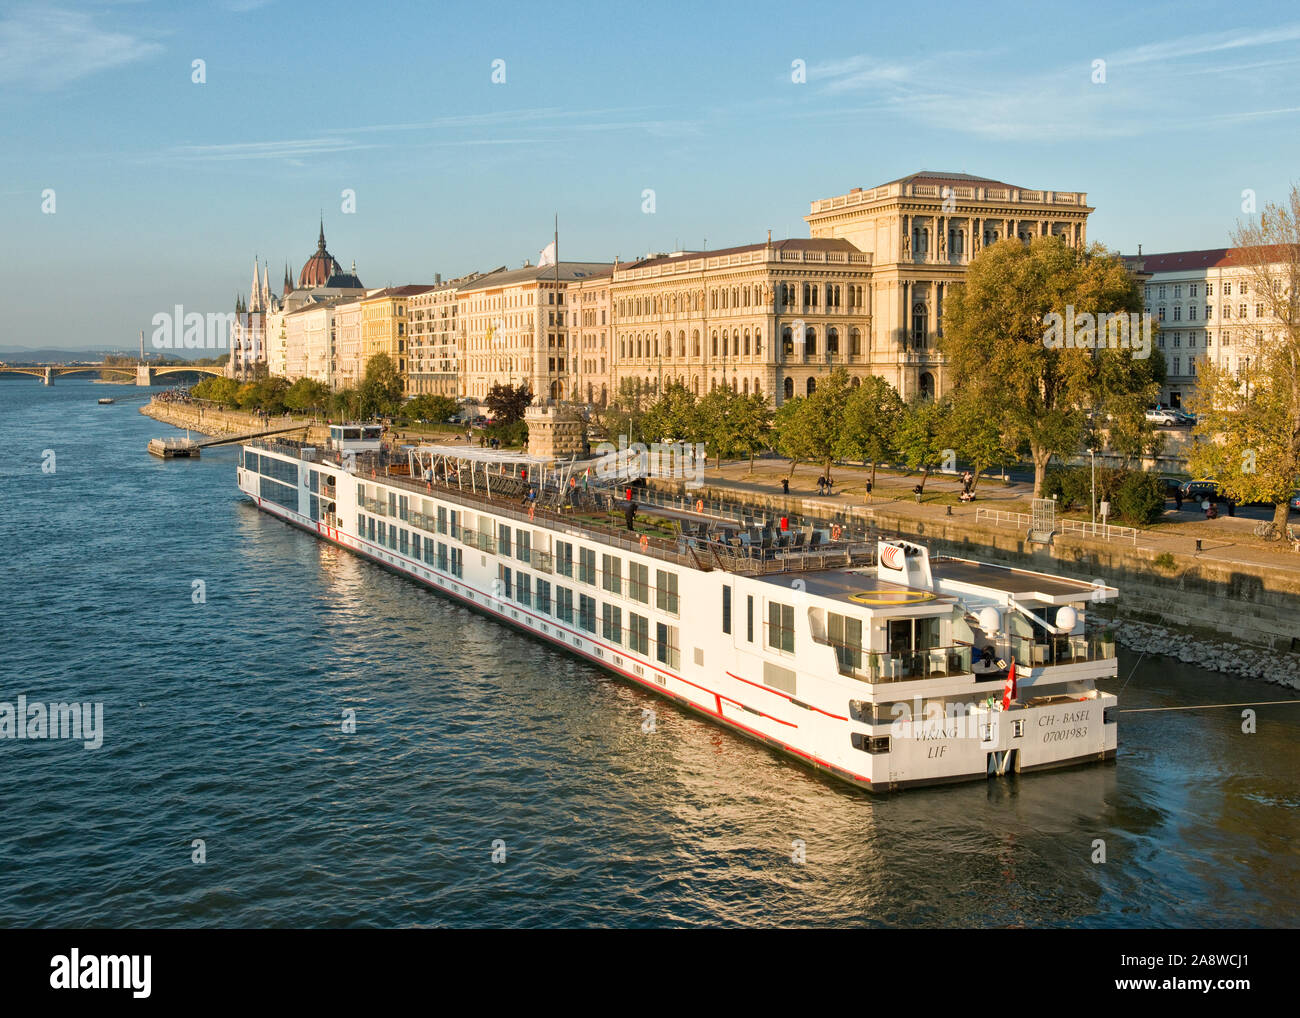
319, 267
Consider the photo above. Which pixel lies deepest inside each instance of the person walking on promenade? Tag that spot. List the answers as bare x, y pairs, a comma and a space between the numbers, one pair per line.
785, 485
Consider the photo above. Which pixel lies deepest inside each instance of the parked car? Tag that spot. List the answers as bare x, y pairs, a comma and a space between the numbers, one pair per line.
1162, 418
1295, 502
1202, 490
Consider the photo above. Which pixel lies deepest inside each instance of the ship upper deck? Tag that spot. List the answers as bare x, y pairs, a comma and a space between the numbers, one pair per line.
549, 494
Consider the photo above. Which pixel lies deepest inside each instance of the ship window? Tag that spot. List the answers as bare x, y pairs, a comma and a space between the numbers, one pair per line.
503, 540
442, 556
845, 635
587, 613
383, 533
780, 626
726, 609
524, 589
612, 580
442, 519
666, 649
564, 558
587, 565
405, 543
506, 586
611, 622
638, 633
666, 591
638, 582
544, 596
1017, 729
524, 546
564, 604
370, 529
749, 618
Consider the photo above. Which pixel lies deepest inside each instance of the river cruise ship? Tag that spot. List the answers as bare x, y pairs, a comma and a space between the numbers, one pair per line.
864, 657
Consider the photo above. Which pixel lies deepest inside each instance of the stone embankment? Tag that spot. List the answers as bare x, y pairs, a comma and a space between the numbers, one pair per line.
211, 421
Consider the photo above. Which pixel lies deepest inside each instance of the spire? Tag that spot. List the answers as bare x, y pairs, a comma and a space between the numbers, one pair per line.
288, 283
320, 243
254, 291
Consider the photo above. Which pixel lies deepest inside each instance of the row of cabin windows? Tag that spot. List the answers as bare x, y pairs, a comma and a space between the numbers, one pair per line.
412, 545
519, 541
557, 601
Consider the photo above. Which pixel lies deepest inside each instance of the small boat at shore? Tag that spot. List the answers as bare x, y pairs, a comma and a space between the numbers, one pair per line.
106, 400
174, 448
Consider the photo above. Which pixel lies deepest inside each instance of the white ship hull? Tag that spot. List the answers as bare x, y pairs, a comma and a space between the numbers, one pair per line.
784, 690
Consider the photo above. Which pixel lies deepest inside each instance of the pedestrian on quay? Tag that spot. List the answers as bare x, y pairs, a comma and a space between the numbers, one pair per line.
785, 485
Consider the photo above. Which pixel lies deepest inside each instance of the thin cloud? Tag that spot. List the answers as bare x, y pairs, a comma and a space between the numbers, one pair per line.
290, 148
1196, 45
45, 48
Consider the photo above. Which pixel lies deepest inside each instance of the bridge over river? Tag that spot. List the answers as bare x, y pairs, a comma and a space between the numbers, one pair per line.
144, 374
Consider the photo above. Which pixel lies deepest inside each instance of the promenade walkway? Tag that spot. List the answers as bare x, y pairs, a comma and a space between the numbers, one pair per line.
1226, 539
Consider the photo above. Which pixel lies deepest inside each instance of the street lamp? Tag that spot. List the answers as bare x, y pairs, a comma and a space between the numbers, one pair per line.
1093, 454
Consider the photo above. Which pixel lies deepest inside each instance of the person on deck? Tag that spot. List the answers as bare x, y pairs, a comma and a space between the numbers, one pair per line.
630, 515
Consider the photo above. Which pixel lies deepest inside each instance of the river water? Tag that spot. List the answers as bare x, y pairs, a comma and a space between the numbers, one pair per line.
222, 724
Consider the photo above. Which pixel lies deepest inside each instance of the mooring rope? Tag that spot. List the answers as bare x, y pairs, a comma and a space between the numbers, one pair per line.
1203, 706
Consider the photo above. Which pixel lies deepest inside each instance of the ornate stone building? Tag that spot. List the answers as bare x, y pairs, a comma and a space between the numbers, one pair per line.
921, 232
517, 329
770, 317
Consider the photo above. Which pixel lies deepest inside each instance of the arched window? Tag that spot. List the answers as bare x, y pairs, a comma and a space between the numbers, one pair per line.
926, 382
758, 342
746, 342
787, 342
918, 325
757, 388
746, 386
810, 342
812, 386
681, 343
832, 341
695, 384
855, 383
855, 342
715, 344
789, 388
696, 337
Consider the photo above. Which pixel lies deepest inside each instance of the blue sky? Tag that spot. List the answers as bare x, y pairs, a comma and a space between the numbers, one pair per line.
166, 189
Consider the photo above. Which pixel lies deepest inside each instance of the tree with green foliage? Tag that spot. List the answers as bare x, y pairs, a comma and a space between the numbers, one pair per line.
673, 417
871, 416
1248, 419
974, 434
345, 405
307, 394
922, 435
625, 413
430, 407
508, 402
217, 389
808, 427
381, 387
999, 327
733, 424
266, 394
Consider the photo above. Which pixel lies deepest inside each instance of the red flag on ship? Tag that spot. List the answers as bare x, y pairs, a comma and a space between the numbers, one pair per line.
1009, 688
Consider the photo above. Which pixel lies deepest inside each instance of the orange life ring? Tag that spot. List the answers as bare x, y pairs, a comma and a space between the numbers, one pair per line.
532, 511
835, 532
699, 505
645, 542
